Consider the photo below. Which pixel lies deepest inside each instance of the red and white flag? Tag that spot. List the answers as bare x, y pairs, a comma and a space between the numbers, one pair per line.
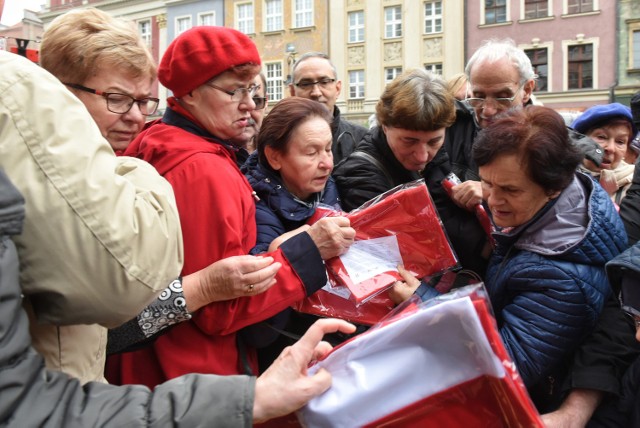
442, 365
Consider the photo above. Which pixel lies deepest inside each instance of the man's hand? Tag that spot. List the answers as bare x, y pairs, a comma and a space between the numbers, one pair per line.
285, 386
467, 194
332, 235
228, 279
575, 411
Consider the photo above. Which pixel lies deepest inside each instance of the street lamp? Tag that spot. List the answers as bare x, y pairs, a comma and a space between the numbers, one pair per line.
290, 51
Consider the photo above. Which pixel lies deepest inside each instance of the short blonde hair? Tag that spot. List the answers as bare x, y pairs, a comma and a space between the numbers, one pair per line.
83, 41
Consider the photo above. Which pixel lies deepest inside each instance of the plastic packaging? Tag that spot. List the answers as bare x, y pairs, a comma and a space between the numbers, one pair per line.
434, 363
400, 226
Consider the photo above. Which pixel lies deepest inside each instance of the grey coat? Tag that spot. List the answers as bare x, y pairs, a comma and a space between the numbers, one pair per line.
32, 396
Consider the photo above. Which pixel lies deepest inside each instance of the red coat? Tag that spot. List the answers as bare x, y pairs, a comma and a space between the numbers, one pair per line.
217, 213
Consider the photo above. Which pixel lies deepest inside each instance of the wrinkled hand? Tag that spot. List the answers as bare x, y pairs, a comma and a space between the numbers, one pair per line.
285, 386
575, 411
332, 235
558, 419
402, 290
467, 194
608, 181
228, 279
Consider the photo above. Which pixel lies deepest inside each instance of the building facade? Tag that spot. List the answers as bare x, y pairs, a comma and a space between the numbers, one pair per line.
282, 31
373, 41
149, 16
572, 44
584, 51
628, 76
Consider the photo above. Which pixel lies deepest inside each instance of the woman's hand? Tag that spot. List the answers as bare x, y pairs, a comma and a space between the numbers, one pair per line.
332, 235
467, 194
228, 279
402, 290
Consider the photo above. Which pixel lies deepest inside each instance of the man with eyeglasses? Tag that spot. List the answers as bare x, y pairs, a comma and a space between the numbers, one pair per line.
246, 140
316, 78
501, 77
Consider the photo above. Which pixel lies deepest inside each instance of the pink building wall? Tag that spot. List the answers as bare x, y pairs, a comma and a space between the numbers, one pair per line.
551, 32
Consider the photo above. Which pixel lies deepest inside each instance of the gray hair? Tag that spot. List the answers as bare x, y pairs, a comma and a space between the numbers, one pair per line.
493, 50
308, 55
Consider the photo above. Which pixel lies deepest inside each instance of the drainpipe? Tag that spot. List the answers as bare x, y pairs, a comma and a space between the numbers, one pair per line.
616, 54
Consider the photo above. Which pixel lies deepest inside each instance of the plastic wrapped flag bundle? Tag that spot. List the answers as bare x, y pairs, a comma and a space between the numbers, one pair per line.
400, 226
437, 363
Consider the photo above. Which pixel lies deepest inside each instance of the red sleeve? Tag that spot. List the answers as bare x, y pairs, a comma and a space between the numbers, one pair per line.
217, 213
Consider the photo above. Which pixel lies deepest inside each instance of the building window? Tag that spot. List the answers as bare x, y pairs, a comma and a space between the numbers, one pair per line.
392, 22
183, 23
580, 66
244, 14
207, 18
435, 68
273, 15
303, 13
356, 26
635, 49
495, 11
356, 84
579, 6
536, 9
144, 29
274, 81
433, 17
540, 62
391, 73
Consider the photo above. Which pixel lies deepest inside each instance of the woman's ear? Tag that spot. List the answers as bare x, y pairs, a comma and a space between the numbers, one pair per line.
273, 157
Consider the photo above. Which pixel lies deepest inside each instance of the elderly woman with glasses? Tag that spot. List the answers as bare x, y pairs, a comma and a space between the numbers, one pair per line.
106, 65
104, 62
211, 72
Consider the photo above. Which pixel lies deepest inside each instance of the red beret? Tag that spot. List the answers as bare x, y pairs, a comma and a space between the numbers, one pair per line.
201, 53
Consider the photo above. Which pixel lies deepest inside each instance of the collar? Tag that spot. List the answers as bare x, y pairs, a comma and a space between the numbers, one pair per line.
176, 115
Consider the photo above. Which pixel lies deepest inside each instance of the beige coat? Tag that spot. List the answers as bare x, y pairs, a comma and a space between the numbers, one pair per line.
101, 236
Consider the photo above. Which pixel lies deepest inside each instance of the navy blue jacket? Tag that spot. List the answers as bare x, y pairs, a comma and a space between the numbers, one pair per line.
278, 211
547, 282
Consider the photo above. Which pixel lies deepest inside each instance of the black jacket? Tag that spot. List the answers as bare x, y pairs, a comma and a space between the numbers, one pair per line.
346, 136
623, 409
630, 209
359, 180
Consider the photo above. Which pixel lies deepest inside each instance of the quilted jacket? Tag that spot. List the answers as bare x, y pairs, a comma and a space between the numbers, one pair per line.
547, 281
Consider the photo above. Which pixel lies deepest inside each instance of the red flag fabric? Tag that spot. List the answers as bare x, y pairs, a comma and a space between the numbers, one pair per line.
400, 226
440, 363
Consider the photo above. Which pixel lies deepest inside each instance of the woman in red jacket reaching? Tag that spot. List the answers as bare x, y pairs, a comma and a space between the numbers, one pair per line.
211, 72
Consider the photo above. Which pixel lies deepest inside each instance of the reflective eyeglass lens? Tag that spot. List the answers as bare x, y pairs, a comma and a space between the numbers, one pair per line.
240, 93
149, 107
119, 103
260, 102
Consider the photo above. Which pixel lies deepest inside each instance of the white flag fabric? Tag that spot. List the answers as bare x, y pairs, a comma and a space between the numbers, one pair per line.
434, 350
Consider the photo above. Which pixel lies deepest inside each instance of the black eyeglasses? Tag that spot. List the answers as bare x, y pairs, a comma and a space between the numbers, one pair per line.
122, 103
502, 103
307, 85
